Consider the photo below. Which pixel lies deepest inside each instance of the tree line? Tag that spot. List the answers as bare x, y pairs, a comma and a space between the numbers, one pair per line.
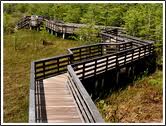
142, 20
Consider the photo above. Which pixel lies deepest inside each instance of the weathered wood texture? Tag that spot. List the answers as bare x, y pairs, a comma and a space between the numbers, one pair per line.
24, 22
45, 68
108, 62
70, 28
55, 103
53, 66
89, 111
124, 37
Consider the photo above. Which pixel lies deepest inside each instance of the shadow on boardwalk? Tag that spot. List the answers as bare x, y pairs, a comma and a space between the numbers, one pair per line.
41, 114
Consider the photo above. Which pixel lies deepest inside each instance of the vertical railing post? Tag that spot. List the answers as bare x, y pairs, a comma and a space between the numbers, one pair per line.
101, 46
58, 64
117, 70
132, 56
83, 71
80, 54
139, 52
125, 57
32, 107
107, 64
95, 68
118, 47
71, 59
144, 51
44, 69
131, 45
125, 46
89, 52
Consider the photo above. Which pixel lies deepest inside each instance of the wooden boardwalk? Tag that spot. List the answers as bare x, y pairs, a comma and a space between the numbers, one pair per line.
60, 106
62, 98
57, 93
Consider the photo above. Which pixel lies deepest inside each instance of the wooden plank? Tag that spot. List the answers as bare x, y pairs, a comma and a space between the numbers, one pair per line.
64, 121
59, 103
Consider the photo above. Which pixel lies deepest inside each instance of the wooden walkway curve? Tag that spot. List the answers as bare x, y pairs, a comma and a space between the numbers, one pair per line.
60, 97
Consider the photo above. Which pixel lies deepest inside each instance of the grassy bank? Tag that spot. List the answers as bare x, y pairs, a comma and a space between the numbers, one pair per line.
139, 103
20, 49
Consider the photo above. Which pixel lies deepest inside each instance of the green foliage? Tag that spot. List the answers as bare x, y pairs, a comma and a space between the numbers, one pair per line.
73, 13
144, 20
9, 24
156, 80
88, 34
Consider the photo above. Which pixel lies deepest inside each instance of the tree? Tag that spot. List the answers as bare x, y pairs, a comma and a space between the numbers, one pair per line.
88, 34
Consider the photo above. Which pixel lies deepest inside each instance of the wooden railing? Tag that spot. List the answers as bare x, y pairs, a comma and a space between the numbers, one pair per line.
51, 66
26, 22
121, 38
23, 22
40, 70
135, 39
86, 52
115, 47
105, 63
48, 67
86, 106
60, 27
32, 99
96, 50
71, 27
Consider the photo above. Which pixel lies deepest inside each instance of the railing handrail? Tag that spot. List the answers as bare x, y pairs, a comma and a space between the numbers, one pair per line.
108, 55
127, 37
51, 58
105, 43
32, 117
84, 46
76, 25
135, 38
72, 58
121, 43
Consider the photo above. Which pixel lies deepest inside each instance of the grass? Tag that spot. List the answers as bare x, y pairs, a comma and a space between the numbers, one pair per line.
20, 49
139, 103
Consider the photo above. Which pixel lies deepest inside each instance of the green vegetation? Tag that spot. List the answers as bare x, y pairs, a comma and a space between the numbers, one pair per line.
20, 49
88, 34
141, 20
139, 103
23, 46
